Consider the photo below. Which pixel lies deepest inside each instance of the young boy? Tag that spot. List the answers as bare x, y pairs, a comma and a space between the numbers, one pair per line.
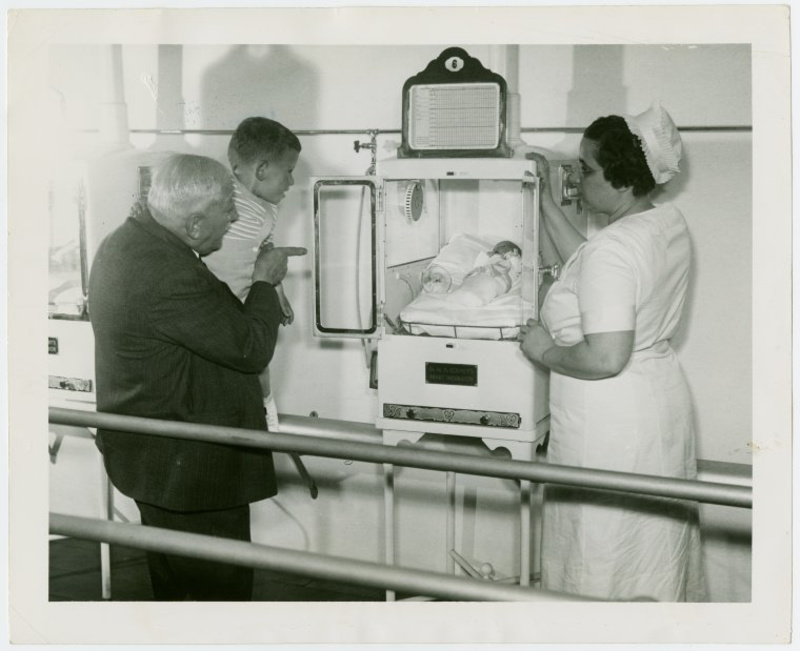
262, 154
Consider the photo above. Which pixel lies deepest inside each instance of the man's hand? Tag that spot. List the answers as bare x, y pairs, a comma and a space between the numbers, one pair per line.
272, 262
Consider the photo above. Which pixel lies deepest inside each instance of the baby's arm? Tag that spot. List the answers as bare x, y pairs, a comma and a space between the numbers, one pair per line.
286, 307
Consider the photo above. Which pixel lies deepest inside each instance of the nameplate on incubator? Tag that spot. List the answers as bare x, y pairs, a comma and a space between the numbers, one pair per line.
463, 375
69, 383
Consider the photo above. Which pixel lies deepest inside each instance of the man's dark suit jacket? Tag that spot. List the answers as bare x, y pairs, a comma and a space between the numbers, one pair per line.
172, 342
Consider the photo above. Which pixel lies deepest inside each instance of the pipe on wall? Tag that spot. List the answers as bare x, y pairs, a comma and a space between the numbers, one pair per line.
504, 60
113, 108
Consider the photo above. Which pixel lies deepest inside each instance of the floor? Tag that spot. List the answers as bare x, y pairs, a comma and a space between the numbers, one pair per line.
75, 576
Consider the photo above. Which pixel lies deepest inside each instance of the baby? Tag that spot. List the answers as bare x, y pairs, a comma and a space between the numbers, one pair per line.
492, 275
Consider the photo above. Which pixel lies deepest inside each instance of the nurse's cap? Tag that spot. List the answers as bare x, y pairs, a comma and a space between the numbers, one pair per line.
661, 141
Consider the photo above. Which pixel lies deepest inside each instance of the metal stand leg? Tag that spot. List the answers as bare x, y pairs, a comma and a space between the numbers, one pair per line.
525, 532
393, 437
105, 549
389, 519
537, 496
308, 480
522, 451
450, 541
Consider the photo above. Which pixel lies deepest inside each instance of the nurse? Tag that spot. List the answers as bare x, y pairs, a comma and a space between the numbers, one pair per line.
618, 397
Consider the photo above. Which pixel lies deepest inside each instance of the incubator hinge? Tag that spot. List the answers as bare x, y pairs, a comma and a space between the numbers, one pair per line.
379, 198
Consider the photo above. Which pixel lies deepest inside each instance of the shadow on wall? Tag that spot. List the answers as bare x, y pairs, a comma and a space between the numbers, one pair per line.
597, 89
170, 105
271, 81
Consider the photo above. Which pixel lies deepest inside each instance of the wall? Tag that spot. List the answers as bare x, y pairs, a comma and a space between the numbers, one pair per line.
562, 87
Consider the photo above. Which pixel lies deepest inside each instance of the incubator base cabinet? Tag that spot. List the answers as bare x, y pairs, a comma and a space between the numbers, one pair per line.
414, 260
461, 387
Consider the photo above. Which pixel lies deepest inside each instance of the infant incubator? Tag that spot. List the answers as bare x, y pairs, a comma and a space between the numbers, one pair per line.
435, 260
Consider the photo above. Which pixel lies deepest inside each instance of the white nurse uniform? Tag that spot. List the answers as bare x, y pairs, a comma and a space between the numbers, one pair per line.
632, 275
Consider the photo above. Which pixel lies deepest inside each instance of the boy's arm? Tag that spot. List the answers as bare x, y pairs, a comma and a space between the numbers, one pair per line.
286, 307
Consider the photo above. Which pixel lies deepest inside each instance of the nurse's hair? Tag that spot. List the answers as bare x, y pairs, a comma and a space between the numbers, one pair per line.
257, 139
185, 184
619, 153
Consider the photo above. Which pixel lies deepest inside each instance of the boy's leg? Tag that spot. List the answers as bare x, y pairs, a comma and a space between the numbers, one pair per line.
273, 426
269, 401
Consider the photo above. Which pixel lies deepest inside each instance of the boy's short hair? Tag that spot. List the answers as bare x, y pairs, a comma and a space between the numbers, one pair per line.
258, 138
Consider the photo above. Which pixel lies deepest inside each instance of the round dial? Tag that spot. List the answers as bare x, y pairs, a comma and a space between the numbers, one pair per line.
413, 201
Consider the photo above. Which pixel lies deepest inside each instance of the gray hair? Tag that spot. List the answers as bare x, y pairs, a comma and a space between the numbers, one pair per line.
184, 184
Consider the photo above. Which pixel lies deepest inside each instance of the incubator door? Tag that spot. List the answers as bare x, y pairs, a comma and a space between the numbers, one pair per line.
530, 242
346, 273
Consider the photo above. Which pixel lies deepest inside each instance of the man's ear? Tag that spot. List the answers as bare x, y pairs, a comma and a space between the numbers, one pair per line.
194, 226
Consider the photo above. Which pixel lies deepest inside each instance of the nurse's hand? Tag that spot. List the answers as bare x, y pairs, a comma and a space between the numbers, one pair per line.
543, 172
535, 341
542, 167
542, 164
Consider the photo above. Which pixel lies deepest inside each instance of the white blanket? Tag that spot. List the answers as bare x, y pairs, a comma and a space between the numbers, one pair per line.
434, 314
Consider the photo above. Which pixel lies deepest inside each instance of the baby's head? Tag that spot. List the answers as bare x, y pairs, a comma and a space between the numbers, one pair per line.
505, 248
262, 154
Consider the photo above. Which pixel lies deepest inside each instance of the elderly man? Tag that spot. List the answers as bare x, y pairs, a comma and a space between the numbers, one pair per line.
172, 342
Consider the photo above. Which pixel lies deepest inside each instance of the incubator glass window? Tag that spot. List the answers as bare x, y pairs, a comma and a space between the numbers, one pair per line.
344, 257
67, 250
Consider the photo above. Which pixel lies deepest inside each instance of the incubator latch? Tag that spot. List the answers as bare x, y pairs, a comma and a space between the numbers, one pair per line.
373, 370
553, 270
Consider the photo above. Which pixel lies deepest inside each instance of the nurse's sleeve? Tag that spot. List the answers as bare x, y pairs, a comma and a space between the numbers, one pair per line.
607, 288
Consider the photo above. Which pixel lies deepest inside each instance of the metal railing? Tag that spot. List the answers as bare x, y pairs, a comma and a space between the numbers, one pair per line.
289, 441
357, 441
417, 582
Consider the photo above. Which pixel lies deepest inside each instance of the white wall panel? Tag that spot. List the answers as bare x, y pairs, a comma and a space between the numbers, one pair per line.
702, 85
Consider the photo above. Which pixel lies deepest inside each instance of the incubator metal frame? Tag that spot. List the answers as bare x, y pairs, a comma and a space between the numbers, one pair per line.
505, 397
